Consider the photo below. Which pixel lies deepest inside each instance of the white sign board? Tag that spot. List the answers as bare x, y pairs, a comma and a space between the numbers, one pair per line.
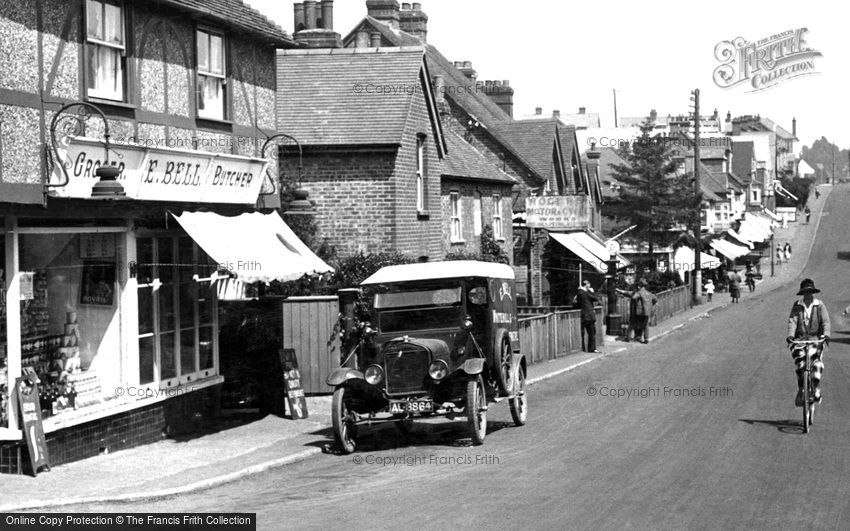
162, 174
557, 212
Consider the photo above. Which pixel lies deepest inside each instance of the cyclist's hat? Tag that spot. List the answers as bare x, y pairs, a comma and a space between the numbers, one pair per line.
807, 286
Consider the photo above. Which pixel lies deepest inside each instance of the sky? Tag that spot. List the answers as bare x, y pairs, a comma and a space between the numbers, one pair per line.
566, 55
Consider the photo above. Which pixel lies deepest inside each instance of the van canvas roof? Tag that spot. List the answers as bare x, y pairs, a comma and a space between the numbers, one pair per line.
438, 270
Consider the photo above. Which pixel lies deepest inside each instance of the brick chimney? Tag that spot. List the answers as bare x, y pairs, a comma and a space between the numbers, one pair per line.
581, 110
794, 127
414, 21
467, 70
387, 11
501, 93
592, 155
375, 40
653, 116
538, 111
557, 114
315, 20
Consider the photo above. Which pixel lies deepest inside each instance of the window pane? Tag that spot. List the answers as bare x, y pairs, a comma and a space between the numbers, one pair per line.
94, 13
216, 55
113, 30
203, 51
166, 308
211, 101
146, 357
185, 259
144, 260
145, 310
92, 64
167, 359
187, 352
205, 304
188, 293
205, 344
165, 260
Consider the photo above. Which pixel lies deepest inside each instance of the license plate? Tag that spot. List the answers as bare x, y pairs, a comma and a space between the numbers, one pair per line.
412, 406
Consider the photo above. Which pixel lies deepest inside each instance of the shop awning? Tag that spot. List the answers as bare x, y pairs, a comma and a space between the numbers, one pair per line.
729, 249
588, 249
683, 259
255, 247
754, 229
773, 216
739, 238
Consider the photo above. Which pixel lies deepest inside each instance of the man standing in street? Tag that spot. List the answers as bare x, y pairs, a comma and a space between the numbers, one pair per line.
585, 300
808, 213
645, 302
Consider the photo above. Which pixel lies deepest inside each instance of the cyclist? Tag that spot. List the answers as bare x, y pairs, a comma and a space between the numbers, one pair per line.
809, 319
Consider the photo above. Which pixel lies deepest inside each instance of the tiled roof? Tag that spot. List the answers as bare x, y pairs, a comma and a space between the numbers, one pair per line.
339, 96
235, 13
465, 161
742, 157
535, 139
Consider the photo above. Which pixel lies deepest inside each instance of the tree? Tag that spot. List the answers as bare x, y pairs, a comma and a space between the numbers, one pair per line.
657, 196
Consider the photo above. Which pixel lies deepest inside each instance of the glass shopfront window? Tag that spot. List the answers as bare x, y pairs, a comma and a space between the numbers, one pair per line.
177, 310
70, 324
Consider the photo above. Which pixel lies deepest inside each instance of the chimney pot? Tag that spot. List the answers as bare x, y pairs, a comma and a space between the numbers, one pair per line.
417, 6
581, 110
497, 83
728, 116
538, 110
299, 17
467, 64
556, 113
794, 126
309, 14
458, 64
488, 83
387, 11
375, 40
362, 39
506, 83
328, 14
405, 6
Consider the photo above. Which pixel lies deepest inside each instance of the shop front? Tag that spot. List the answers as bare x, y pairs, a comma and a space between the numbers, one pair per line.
112, 303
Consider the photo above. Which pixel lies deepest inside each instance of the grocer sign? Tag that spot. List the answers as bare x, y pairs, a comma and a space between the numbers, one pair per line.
557, 212
162, 174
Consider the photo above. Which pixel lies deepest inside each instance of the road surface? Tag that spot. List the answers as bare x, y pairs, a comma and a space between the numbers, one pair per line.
707, 436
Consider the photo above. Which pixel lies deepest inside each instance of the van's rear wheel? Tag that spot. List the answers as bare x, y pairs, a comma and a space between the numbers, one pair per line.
519, 403
476, 410
505, 353
343, 422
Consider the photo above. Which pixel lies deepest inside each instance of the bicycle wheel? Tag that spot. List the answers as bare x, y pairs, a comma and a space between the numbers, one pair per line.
806, 411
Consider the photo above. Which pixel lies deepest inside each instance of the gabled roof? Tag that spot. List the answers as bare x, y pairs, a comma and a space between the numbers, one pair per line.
536, 139
237, 14
465, 161
742, 156
609, 184
357, 96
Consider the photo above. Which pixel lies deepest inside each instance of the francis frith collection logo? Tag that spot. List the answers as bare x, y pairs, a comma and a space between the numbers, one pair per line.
765, 63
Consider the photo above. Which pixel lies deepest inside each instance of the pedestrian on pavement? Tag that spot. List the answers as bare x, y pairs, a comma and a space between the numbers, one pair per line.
735, 286
645, 302
585, 300
808, 213
817, 193
751, 280
709, 289
779, 254
809, 319
787, 250
632, 323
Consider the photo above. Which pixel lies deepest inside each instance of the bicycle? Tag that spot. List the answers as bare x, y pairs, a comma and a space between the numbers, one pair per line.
810, 348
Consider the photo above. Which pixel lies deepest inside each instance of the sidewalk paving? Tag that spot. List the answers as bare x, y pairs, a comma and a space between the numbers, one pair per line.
240, 448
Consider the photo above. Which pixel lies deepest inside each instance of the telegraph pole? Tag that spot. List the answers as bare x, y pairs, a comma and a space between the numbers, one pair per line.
696, 277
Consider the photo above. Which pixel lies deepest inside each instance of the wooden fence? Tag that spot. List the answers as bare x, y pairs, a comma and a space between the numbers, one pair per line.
545, 333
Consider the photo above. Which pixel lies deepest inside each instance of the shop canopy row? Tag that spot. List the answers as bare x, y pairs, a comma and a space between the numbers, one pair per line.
589, 249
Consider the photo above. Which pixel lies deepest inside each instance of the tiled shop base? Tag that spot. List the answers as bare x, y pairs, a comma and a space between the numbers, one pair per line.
181, 414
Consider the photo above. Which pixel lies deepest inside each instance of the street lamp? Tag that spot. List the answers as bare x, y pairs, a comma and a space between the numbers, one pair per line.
300, 205
65, 124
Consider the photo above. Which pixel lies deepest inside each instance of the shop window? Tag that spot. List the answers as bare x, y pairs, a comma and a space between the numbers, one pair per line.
211, 75
105, 50
177, 310
456, 224
497, 217
70, 324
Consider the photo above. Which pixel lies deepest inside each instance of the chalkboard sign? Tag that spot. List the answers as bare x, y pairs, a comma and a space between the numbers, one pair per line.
27, 389
292, 384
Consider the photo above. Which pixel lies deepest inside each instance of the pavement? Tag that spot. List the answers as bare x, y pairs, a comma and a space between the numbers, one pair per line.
240, 447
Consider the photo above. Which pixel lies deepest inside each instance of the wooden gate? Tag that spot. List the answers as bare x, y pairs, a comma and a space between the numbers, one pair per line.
308, 327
